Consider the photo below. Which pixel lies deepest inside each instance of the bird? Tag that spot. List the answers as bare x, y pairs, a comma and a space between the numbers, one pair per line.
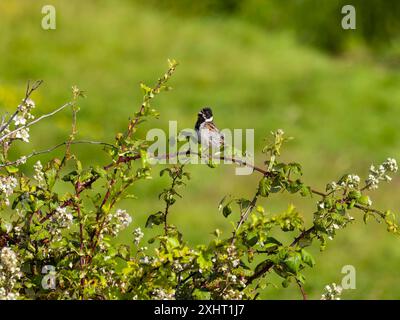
207, 132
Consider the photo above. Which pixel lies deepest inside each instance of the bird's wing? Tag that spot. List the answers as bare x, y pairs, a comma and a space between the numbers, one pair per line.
214, 132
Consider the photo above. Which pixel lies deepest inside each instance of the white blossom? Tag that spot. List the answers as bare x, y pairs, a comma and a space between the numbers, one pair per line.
21, 160
145, 260
124, 218
30, 104
381, 173
390, 165
61, 219
19, 120
9, 273
7, 186
138, 235
352, 181
115, 222
332, 292
39, 174
161, 294
332, 186
23, 134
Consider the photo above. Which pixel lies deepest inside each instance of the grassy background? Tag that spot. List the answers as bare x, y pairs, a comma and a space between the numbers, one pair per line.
341, 107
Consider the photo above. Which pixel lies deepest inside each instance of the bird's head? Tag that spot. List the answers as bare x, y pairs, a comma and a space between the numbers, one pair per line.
205, 114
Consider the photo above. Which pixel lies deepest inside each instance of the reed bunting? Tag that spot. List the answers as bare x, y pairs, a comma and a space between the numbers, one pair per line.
207, 133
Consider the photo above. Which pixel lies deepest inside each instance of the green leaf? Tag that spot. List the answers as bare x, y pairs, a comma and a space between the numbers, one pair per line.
221, 203
70, 177
124, 251
100, 171
12, 169
286, 282
294, 186
305, 191
307, 258
199, 294
165, 170
262, 265
295, 168
264, 187
212, 164
155, 219
144, 158
204, 261
243, 204
293, 263
252, 241
173, 242
364, 200
354, 194
78, 166
272, 240
50, 176
366, 217
227, 210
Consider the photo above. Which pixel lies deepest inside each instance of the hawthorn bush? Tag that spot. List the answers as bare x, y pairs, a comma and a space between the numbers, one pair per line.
57, 245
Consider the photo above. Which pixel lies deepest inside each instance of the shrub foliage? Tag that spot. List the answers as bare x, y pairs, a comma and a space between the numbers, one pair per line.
59, 245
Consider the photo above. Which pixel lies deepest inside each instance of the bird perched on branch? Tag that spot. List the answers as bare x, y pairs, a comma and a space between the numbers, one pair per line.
207, 132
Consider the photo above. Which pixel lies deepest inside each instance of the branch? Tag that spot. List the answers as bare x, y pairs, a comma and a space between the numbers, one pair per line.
243, 217
35, 121
28, 93
269, 265
155, 90
303, 292
366, 209
36, 153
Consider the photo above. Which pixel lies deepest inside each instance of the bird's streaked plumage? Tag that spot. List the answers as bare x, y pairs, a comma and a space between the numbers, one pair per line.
207, 132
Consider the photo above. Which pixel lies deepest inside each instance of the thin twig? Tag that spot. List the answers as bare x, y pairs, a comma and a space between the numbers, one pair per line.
243, 217
303, 292
36, 153
167, 206
35, 121
269, 265
28, 93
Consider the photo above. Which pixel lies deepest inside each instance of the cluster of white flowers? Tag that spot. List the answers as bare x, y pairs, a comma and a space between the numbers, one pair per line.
352, 181
39, 174
9, 273
232, 256
7, 186
22, 117
61, 219
161, 294
115, 222
331, 230
137, 235
4, 295
23, 134
21, 160
381, 173
332, 186
145, 260
332, 292
232, 294
177, 266
123, 218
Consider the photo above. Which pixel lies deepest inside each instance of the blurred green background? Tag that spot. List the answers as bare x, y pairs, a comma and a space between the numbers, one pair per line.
258, 64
